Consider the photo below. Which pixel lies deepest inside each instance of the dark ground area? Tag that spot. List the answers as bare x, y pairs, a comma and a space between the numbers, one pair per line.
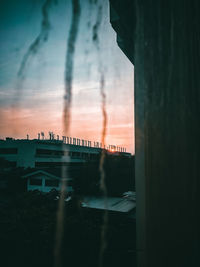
27, 233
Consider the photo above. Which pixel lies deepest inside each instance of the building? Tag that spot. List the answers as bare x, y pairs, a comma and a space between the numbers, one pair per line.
45, 181
40, 162
49, 153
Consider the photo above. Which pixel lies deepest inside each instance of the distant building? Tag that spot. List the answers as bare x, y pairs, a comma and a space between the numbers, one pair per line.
45, 181
40, 163
48, 153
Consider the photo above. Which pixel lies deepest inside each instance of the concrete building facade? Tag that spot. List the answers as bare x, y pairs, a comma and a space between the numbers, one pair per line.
48, 153
44, 153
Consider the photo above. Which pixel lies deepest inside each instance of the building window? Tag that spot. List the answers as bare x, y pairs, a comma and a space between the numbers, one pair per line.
49, 152
34, 181
8, 150
85, 155
48, 164
52, 183
75, 154
70, 183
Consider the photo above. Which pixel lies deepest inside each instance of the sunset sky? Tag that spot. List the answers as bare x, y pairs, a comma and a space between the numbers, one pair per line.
38, 104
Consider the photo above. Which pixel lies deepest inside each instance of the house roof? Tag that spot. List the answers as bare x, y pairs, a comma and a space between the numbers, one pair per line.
116, 204
51, 172
33, 173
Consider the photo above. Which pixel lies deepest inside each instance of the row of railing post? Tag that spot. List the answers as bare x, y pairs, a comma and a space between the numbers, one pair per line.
82, 142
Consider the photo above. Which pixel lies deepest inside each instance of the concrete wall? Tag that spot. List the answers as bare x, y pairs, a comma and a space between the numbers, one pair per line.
25, 156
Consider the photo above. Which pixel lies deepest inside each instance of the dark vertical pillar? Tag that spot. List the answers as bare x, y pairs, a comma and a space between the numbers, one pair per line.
167, 88
162, 40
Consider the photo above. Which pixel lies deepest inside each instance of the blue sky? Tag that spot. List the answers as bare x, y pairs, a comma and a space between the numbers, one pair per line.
41, 94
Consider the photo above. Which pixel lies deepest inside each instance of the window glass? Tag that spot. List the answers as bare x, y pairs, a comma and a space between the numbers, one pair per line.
53, 183
35, 181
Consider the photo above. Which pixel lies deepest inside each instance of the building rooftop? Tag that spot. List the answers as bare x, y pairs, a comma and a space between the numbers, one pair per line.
117, 204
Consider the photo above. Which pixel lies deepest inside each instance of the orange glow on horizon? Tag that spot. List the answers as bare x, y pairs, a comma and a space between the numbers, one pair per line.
20, 122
